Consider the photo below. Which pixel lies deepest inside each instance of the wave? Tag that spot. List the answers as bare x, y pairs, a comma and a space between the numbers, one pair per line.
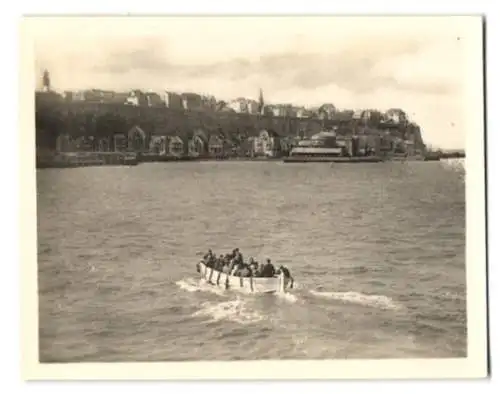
235, 310
289, 297
454, 164
298, 285
193, 286
376, 301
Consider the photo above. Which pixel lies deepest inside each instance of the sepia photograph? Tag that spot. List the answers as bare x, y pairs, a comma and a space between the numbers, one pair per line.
255, 189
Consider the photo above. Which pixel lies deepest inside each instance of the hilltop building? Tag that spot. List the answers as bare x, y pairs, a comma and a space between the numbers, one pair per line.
191, 101
148, 99
244, 105
173, 100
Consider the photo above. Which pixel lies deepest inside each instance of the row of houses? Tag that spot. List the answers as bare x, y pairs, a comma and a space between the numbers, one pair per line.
136, 97
199, 102
172, 100
266, 143
194, 101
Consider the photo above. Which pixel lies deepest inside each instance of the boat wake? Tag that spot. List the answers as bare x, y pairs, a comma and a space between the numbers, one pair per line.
374, 301
192, 286
234, 310
288, 297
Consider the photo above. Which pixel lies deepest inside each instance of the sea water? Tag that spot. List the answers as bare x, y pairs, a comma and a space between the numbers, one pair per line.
377, 251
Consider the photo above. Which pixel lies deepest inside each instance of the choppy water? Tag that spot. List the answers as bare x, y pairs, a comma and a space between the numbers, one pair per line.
378, 251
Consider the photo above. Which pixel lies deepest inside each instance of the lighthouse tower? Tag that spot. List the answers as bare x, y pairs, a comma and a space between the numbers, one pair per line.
261, 102
46, 81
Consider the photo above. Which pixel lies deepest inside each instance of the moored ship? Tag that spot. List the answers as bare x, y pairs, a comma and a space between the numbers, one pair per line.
326, 146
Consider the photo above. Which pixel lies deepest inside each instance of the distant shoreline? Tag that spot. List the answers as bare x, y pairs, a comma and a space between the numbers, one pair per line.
88, 159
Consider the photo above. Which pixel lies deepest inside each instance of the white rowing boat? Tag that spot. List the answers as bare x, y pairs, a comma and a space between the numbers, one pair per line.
276, 284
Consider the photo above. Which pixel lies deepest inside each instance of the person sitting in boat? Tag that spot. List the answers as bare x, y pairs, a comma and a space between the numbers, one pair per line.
253, 266
226, 268
232, 255
210, 259
219, 263
232, 266
208, 255
235, 258
251, 261
258, 272
286, 274
238, 266
238, 256
243, 271
268, 270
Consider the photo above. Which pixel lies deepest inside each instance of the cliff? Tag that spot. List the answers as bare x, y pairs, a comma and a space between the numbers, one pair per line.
55, 117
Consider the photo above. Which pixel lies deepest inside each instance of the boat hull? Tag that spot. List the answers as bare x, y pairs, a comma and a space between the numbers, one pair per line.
277, 284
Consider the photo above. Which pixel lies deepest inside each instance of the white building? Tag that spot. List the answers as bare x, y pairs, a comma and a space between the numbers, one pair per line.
252, 107
238, 105
172, 100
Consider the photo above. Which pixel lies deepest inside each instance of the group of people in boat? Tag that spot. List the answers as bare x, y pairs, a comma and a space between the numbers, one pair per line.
234, 264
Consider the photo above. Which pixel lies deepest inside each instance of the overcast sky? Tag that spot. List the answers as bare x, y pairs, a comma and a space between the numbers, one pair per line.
421, 65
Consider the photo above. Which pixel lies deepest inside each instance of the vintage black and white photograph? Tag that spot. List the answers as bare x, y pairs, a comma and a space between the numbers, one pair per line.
257, 188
